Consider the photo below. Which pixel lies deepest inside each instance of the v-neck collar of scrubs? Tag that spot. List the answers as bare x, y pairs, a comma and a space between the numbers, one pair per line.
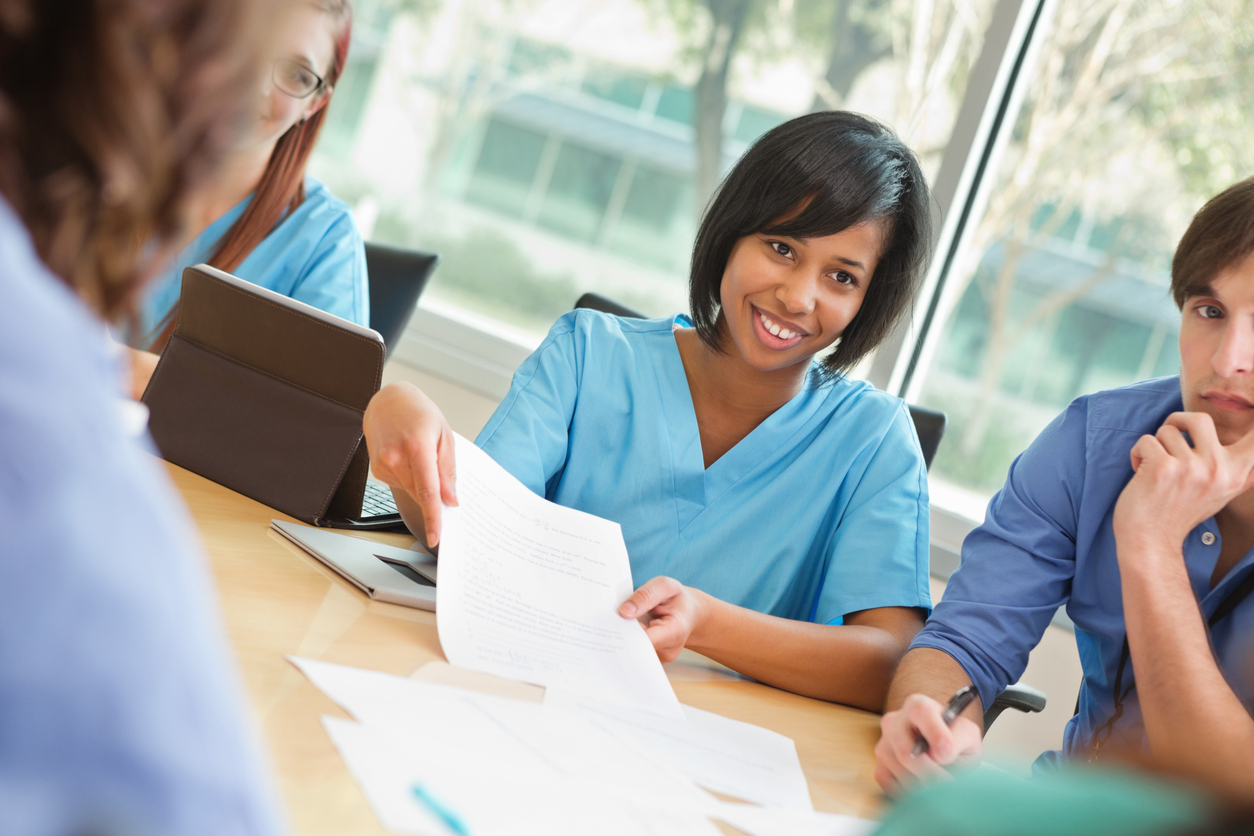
212, 234
164, 293
696, 486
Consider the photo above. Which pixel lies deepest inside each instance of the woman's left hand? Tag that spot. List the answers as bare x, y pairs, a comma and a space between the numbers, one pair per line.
669, 611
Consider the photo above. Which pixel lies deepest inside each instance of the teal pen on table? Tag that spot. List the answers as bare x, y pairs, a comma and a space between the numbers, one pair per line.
441, 810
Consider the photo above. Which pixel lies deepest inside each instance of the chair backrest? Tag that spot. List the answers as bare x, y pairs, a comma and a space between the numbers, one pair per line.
397, 277
929, 424
597, 302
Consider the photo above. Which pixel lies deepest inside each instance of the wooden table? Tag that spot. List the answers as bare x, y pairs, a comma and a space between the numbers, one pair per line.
277, 600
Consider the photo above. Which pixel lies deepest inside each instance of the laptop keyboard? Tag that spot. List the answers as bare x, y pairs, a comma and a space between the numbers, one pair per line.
378, 501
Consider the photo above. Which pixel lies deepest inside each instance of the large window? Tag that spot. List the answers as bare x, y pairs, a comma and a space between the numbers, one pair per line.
549, 148
1132, 115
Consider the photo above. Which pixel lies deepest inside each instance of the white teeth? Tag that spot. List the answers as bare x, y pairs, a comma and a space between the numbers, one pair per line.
782, 333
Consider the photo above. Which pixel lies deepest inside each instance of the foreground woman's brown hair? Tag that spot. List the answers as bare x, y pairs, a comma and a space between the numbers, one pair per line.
112, 114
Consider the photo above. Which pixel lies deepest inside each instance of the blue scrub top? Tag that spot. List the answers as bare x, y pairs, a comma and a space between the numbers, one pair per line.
120, 711
819, 512
1048, 541
315, 255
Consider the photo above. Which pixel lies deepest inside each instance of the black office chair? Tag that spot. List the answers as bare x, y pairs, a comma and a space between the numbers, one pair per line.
397, 277
1019, 697
929, 425
605, 304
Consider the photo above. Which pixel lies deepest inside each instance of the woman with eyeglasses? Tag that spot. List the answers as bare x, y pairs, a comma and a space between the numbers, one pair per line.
265, 220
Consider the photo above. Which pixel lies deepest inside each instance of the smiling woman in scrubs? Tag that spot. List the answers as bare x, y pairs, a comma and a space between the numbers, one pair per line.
265, 220
776, 509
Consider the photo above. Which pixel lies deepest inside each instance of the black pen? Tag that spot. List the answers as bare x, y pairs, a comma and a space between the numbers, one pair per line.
957, 704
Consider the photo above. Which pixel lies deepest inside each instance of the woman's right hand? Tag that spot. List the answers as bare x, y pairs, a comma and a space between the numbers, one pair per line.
411, 448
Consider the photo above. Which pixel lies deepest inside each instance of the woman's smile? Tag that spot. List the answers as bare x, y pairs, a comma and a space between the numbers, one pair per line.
774, 333
786, 299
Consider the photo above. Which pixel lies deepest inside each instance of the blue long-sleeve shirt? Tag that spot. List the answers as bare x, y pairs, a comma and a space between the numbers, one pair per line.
119, 712
1047, 541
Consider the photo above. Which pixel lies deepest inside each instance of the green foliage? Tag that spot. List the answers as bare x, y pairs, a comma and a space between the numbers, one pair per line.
1007, 436
856, 28
489, 266
486, 271
1206, 118
691, 21
423, 9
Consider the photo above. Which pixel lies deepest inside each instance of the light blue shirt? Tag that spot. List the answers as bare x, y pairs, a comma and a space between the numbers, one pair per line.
119, 709
314, 255
819, 512
1047, 541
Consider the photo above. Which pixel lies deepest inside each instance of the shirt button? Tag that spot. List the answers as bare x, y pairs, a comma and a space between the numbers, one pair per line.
1208, 539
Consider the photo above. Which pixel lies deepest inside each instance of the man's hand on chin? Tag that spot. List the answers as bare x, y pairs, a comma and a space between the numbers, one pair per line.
1177, 485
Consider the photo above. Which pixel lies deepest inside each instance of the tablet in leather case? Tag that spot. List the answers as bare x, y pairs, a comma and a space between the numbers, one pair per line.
265, 395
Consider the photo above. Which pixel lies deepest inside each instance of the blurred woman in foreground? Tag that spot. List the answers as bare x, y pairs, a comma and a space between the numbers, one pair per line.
120, 710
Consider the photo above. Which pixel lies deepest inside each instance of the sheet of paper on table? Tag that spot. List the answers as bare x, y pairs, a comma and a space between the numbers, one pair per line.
492, 801
508, 766
724, 755
505, 766
530, 590
783, 821
442, 673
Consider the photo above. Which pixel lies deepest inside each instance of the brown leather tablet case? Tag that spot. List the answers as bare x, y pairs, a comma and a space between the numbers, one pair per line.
265, 395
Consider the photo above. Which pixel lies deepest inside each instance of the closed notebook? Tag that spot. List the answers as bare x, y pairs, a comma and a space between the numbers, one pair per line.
265, 395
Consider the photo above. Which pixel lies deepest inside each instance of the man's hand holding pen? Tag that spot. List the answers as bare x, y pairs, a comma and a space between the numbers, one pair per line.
922, 737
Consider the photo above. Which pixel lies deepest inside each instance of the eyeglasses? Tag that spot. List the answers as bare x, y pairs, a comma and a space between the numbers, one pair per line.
296, 80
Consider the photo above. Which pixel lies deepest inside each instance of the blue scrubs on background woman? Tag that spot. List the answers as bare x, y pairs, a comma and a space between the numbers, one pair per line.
315, 255
819, 512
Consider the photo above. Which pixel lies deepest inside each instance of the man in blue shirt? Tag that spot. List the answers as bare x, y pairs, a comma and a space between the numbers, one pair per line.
1143, 536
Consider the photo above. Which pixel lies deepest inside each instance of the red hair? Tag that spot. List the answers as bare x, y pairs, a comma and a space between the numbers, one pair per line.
282, 186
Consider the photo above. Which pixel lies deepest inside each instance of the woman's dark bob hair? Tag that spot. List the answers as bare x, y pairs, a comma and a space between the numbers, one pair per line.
852, 170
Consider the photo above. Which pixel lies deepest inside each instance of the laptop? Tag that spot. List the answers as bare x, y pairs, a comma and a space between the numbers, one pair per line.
378, 511
385, 573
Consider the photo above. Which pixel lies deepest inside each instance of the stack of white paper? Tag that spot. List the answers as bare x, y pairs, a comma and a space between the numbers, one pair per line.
516, 767
720, 754
505, 766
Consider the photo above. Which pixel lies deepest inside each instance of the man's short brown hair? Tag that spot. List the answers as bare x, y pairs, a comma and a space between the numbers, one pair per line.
1221, 235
